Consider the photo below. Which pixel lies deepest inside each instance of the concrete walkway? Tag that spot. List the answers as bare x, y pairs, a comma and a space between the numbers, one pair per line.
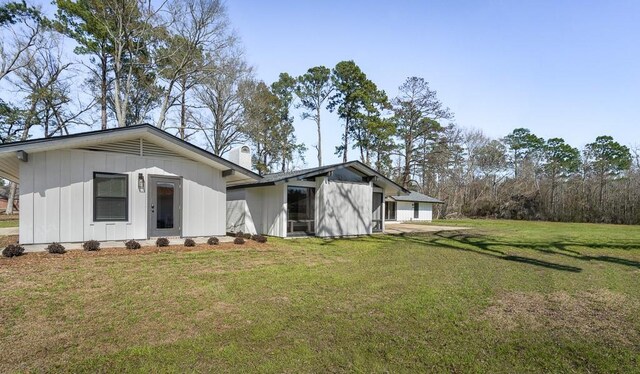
120, 244
4, 231
408, 228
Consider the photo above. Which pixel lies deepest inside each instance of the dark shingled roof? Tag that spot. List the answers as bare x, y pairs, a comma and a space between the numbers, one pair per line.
417, 197
273, 178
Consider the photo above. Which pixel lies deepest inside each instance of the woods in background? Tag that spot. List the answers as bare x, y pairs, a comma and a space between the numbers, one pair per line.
178, 65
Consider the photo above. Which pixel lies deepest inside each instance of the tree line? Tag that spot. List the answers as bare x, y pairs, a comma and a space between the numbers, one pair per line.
178, 65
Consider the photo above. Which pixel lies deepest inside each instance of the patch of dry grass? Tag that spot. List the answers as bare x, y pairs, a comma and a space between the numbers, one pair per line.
595, 314
8, 239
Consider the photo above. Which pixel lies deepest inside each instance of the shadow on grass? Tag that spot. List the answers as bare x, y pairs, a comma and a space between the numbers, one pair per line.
470, 242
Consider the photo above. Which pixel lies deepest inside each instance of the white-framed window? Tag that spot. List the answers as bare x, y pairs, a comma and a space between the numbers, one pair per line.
110, 197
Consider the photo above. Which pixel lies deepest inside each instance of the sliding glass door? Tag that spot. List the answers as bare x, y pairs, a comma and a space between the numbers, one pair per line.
301, 210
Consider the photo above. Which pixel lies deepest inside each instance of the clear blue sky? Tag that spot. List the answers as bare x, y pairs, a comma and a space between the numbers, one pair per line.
566, 69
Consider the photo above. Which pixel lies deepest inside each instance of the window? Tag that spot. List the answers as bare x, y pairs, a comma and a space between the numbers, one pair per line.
390, 211
300, 209
110, 197
416, 210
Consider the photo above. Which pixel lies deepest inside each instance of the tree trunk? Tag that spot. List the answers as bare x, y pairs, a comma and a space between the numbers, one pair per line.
103, 90
11, 198
346, 141
406, 172
183, 114
319, 148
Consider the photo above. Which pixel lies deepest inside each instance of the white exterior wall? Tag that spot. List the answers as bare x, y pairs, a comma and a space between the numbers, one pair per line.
343, 208
56, 196
405, 212
258, 210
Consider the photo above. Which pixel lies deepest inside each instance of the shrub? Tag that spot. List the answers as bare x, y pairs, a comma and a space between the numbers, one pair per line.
259, 238
213, 241
189, 242
238, 240
239, 234
91, 245
162, 242
247, 236
56, 248
13, 250
132, 244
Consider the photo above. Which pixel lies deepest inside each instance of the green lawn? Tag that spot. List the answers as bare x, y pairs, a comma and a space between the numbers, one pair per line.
503, 297
9, 223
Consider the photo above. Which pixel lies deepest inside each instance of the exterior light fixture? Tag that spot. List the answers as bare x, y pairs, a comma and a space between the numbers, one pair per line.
140, 182
23, 156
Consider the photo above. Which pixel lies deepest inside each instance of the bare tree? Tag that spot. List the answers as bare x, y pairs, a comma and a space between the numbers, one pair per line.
47, 84
196, 28
222, 93
19, 28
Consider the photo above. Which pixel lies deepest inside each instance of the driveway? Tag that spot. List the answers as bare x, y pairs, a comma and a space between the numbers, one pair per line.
407, 228
8, 231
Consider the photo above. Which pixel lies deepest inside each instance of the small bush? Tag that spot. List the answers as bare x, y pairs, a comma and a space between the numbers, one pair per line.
13, 250
238, 240
259, 238
213, 241
247, 236
56, 248
162, 242
239, 234
91, 245
189, 242
132, 244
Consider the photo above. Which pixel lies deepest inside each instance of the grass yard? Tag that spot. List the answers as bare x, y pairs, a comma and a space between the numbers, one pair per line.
8, 223
503, 297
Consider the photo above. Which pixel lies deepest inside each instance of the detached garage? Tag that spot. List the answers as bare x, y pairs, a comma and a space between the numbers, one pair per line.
412, 207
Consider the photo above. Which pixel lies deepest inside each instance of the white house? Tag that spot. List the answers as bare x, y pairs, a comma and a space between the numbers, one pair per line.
140, 182
329, 201
412, 207
127, 183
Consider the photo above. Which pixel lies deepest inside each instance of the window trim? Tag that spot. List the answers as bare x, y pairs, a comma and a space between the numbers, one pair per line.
95, 197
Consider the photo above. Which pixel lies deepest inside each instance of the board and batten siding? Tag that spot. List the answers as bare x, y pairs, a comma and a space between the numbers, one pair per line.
258, 210
405, 211
56, 196
343, 208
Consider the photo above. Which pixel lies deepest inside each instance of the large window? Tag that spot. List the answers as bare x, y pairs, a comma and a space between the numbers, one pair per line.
416, 210
301, 210
110, 197
390, 211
